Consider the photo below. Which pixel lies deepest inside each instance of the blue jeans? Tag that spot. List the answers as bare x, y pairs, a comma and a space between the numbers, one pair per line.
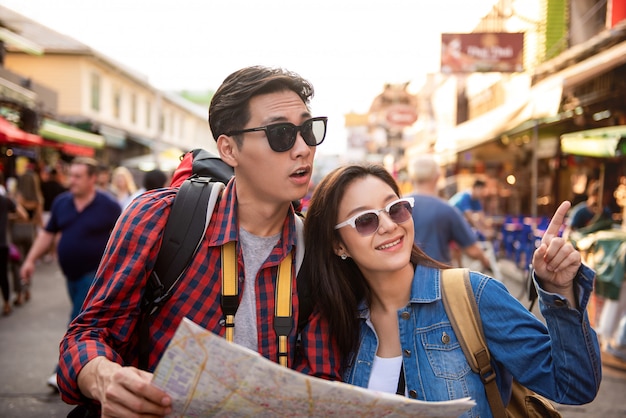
77, 290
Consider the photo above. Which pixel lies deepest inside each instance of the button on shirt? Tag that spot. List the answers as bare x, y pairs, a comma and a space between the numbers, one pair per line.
107, 326
521, 345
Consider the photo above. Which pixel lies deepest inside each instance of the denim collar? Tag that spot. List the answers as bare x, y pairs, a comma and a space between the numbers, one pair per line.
425, 288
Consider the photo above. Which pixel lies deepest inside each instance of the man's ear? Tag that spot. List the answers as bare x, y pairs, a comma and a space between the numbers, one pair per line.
228, 150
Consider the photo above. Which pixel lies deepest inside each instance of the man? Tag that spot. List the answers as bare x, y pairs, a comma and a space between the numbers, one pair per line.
103, 181
153, 179
436, 222
84, 218
470, 205
589, 215
51, 187
264, 129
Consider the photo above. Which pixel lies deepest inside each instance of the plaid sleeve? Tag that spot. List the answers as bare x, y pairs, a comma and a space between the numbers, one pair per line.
106, 323
318, 355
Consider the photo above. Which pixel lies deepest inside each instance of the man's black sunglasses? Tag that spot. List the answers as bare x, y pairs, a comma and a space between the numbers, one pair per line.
282, 136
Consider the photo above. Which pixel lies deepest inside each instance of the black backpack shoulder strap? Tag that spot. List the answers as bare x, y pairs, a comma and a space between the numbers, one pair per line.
183, 233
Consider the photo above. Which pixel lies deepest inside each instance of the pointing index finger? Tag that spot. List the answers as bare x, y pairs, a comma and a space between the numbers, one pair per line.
556, 222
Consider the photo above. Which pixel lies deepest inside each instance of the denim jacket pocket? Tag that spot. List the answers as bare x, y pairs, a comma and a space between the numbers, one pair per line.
444, 352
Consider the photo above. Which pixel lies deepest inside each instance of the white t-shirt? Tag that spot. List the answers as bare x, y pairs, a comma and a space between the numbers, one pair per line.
255, 251
385, 374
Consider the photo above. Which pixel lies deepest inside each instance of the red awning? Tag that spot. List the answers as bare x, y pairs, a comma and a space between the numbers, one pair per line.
10, 133
77, 150
74, 150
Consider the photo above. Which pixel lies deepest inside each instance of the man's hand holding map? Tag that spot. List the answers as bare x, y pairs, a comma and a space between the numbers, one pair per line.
210, 377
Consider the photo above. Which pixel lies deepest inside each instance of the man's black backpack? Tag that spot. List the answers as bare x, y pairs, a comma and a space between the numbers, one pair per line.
201, 177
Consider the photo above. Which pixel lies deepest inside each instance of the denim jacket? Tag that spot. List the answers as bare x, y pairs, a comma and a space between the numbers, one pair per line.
560, 360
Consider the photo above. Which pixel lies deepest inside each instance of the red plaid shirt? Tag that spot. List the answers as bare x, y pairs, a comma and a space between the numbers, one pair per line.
107, 326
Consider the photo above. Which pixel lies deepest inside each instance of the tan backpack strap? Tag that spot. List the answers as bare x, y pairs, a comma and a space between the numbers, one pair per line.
460, 304
283, 307
230, 287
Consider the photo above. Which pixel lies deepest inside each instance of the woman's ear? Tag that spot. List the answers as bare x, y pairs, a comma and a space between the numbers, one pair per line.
339, 249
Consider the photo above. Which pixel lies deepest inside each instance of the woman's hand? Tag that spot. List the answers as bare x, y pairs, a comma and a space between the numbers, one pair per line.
556, 261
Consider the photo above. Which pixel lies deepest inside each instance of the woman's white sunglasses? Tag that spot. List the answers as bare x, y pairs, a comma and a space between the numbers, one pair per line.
367, 222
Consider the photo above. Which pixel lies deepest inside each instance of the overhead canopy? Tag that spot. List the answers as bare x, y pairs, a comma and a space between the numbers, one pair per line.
10, 133
58, 131
539, 101
166, 160
115, 138
78, 150
20, 42
604, 142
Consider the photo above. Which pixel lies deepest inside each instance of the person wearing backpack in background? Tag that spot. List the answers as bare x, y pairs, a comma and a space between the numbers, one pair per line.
382, 297
264, 129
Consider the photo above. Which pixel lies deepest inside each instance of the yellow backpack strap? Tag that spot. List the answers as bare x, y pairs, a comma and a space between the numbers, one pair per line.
230, 287
283, 320
283, 308
460, 304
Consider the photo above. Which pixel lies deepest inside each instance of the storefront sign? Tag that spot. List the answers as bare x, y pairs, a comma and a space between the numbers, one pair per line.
482, 52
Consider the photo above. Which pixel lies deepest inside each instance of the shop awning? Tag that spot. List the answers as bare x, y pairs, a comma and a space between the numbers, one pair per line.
115, 138
604, 142
73, 150
166, 160
78, 150
19, 42
595, 65
539, 101
61, 132
10, 133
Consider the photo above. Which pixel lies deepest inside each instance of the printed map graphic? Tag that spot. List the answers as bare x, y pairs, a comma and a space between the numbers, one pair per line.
209, 377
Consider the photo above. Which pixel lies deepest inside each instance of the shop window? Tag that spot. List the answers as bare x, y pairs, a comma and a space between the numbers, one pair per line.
133, 108
148, 114
117, 102
95, 92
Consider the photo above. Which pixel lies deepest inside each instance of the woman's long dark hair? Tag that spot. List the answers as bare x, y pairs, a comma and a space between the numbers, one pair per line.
337, 285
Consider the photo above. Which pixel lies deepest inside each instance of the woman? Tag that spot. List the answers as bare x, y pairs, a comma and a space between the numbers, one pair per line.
381, 296
123, 186
23, 231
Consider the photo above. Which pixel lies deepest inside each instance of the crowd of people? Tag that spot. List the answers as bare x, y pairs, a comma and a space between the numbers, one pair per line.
56, 214
368, 287
61, 214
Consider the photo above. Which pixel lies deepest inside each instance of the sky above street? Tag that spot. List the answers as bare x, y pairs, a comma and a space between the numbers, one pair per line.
348, 49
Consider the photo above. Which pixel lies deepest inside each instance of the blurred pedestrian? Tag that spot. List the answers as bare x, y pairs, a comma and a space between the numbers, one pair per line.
84, 218
7, 206
469, 202
23, 231
612, 325
152, 180
123, 185
51, 187
590, 215
438, 224
103, 183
